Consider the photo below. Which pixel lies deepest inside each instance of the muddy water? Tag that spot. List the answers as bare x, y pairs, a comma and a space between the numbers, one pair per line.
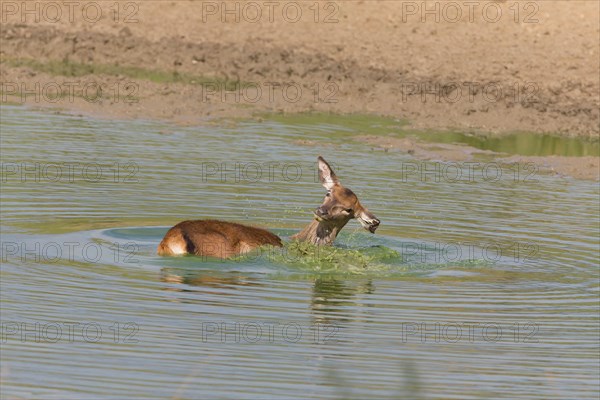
481, 282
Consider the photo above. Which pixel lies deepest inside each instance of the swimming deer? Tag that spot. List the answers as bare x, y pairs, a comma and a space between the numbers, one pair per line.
226, 239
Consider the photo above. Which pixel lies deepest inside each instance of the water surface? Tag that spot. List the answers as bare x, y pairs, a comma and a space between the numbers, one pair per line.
483, 286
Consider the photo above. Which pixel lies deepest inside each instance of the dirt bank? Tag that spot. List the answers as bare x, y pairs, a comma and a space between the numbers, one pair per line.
498, 66
502, 66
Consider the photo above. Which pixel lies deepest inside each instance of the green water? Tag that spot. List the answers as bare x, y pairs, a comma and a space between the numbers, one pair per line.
521, 143
472, 288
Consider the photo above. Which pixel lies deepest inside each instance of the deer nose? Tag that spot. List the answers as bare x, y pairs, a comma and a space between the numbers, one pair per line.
373, 225
321, 212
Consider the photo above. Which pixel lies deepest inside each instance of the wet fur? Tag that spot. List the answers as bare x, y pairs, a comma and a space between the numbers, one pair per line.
226, 239
214, 238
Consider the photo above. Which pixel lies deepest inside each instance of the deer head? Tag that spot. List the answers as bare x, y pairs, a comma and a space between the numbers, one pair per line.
340, 204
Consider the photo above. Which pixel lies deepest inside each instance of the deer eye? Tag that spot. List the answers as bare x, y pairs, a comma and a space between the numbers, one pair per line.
348, 210
328, 194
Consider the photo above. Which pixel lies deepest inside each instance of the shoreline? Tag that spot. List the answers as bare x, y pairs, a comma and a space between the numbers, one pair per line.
470, 75
578, 167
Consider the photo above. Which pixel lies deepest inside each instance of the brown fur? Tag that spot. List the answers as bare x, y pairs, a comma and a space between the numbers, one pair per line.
226, 239
214, 238
340, 205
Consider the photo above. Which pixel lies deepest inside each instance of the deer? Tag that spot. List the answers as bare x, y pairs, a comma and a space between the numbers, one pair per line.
223, 239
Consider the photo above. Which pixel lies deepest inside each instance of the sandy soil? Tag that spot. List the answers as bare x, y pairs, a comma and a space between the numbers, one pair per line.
501, 66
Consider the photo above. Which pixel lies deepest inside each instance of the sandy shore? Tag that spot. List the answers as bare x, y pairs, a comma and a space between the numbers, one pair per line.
499, 66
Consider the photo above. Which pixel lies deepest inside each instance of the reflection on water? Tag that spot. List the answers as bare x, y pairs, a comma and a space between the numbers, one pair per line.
333, 300
470, 289
207, 280
329, 302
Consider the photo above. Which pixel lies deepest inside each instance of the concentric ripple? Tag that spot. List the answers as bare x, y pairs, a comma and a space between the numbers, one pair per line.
471, 289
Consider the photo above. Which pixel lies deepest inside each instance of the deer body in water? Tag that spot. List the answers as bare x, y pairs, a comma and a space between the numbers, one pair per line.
226, 239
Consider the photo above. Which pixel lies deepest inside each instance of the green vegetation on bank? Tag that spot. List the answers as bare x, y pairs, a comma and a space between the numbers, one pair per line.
74, 69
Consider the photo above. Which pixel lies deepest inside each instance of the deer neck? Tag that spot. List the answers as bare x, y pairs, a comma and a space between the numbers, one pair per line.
320, 232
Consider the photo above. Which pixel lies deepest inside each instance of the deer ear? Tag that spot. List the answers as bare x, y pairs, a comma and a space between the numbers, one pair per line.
326, 175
